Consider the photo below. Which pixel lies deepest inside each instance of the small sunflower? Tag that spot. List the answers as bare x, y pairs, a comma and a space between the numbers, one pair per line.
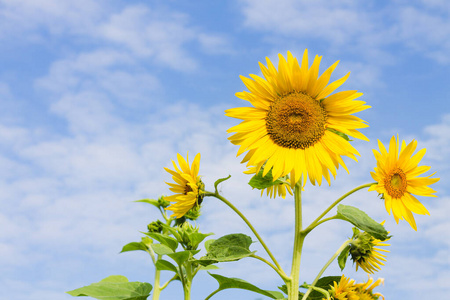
365, 290
364, 251
274, 190
294, 124
397, 179
344, 290
188, 187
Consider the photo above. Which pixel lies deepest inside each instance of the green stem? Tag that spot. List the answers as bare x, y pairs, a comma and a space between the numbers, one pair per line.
249, 225
156, 288
212, 294
168, 281
305, 296
299, 237
282, 275
313, 224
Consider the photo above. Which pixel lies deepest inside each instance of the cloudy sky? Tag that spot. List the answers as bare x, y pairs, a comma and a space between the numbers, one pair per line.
98, 96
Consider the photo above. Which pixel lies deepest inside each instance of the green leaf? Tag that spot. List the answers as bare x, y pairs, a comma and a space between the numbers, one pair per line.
173, 231
208, 243
115, 287
341, 134
197, 237
236, 283
182, 256
229, 248
342, 259
133, 246
149, 201
161, 249
162, 264
209, 267
361, 220
259, 182
164, 239
323, 283
218, 181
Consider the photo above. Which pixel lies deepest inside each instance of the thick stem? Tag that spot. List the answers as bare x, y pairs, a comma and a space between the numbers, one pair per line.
248, 224
156, 287
293, 284
305, 296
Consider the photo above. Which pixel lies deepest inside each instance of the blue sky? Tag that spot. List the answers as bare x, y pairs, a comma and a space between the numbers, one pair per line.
98, 96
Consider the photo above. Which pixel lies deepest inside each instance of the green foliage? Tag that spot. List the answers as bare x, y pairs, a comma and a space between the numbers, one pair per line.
162, 264
230, 247
133, 246
361, 220
182, 256
162, 249
164, 239
149, 201
236, 283
259, 182
322, 283
342, 259
115, 287
341, 134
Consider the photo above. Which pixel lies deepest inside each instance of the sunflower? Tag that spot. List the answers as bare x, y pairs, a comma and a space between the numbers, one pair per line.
345, 289
365, 290
276, 189
364, 251
397, 179
294, 124
188, 187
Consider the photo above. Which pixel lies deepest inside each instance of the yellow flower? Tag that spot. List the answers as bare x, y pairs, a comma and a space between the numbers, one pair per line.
188, 187
294, 125
397, 179
274, 190
344, 290
364, 251
365, 290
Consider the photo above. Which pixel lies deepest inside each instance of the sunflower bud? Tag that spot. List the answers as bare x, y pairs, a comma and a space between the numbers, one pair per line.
155, 226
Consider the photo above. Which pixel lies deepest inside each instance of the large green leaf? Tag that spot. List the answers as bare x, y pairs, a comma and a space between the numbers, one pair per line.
115, 287
164, 239
323, 283
197, 237
228, 248
236, 283
133, 246
259, 182
361, 220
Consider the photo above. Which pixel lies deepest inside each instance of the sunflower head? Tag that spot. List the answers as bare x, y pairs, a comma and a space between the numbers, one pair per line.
345, 289
275, 190
295, 125
188, 187
397, 179
365, 290
364, 251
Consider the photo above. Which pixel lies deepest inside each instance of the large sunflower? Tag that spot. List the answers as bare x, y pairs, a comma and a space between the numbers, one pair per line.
188, 187
397, 179
295, 125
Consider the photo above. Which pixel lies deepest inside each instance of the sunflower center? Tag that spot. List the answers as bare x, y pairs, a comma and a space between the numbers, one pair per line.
296, 121
395, 183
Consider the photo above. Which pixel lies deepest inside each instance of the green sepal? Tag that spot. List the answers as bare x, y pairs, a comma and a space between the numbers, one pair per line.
323, 283
361, 220
230, 247
163, 264
342, 258
218, 181
149, 201
259, 182
164, 239
182, 256
161, 249
115, 287
134, 246
236, 283
341, 134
